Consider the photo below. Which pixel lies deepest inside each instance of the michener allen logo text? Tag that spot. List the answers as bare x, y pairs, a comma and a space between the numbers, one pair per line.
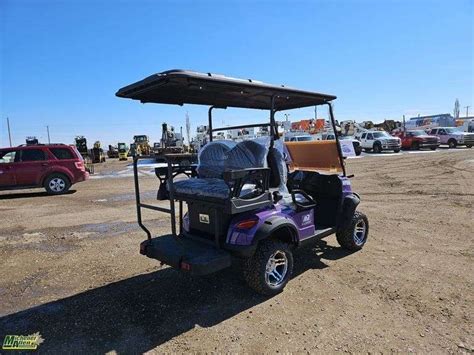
22, 342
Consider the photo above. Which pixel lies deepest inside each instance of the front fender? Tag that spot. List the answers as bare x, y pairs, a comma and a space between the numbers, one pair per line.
349, 206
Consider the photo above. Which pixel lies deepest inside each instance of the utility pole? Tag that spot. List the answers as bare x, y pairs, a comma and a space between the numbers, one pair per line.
404, 128
49, 140
9, 133
315, 112
467, 110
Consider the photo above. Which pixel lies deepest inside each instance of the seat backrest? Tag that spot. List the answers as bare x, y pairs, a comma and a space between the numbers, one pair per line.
213, 157
219, 156
246, 154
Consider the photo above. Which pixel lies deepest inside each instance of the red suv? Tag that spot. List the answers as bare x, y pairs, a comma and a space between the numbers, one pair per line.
53, 166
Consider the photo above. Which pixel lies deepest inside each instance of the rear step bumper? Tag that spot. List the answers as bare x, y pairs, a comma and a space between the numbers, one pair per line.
186, 254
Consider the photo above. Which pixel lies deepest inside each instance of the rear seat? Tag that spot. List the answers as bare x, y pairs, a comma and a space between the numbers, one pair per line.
214, 159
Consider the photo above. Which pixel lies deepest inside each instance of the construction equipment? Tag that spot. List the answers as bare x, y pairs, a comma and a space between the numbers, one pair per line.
142, 145
112, 152
122, 151
81, 146
173, 143
170, 142
32, 141
97, 155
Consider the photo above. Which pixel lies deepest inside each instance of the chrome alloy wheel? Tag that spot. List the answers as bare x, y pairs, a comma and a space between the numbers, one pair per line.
57, 184
276, 269
360, 231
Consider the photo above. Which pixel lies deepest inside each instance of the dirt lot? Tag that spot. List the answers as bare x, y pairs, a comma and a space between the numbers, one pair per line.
71, 271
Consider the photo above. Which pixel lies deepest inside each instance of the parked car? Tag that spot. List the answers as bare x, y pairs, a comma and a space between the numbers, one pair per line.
379, 141
330, 136
418, 139
56, 167
453, 136
299, 138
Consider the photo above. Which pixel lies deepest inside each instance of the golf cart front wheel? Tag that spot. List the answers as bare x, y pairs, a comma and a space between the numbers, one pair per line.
355, 235
270, 268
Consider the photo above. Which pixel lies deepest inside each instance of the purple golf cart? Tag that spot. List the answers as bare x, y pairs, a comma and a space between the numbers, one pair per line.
254, 200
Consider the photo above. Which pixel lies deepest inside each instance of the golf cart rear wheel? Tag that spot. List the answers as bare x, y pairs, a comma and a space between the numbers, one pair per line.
355, 235
270, 268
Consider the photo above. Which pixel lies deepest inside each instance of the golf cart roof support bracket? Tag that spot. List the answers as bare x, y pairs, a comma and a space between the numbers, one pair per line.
339, 150
210, 119
171, 197
273, 127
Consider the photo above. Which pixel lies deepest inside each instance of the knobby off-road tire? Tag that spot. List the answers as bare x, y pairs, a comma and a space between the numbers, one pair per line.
256, 269
355, 235
57, 184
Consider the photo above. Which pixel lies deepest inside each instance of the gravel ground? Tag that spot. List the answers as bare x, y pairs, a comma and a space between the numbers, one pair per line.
71, 271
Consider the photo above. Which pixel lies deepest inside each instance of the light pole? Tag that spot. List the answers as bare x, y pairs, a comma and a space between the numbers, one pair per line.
467, 110
49, 140
9, 132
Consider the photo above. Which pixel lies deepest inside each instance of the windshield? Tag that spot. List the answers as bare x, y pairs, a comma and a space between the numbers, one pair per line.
381, 135
417, 133
453, 130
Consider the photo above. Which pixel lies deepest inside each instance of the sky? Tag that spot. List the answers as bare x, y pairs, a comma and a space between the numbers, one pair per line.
61, 62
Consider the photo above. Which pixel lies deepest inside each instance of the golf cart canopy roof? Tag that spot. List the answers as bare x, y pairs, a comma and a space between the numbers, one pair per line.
187, 87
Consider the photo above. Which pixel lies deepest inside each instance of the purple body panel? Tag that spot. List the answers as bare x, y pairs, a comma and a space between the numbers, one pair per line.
303, 221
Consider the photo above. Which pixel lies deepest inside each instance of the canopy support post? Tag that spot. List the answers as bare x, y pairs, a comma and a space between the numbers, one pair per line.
339, 150
210, 123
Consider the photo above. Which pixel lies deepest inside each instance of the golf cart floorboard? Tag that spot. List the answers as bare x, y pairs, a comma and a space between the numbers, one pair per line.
186, 254
319, 233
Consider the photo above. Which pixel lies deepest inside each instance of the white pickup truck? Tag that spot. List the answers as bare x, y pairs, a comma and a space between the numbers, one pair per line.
379, 141
453, 136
